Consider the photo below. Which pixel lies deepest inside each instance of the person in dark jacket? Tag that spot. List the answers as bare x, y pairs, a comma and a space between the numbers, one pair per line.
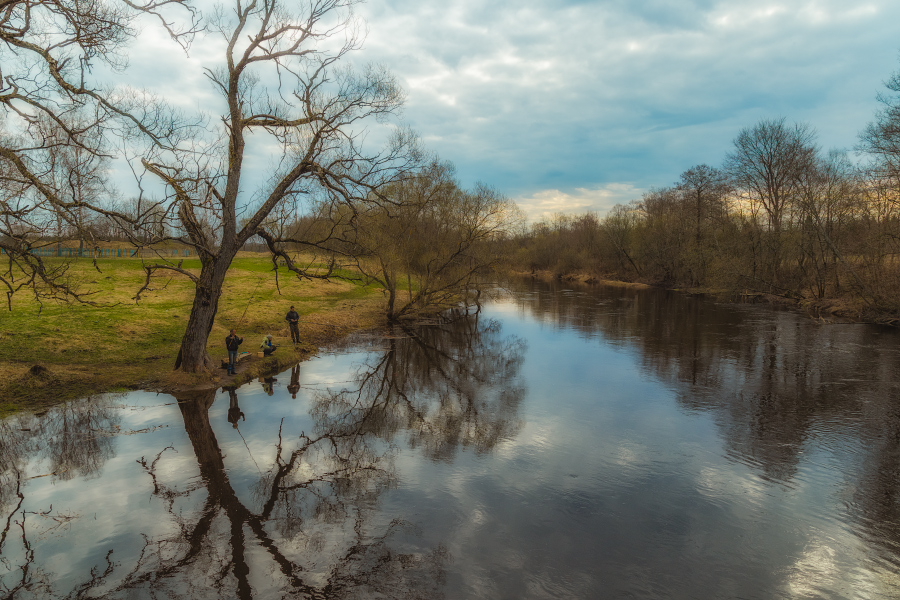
231, 343
293, 319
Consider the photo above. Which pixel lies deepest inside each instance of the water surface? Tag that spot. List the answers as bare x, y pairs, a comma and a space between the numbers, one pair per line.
561, 443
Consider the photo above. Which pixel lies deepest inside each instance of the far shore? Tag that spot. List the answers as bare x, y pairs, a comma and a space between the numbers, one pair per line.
826, 310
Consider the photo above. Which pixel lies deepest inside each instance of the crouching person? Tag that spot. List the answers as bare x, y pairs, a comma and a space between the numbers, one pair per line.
267, 346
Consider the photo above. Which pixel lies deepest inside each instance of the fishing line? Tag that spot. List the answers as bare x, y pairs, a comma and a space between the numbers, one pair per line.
249, 302
248, 450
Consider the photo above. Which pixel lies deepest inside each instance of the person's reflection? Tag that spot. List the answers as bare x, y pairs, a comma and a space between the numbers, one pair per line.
234, 411
268, 385
294, 386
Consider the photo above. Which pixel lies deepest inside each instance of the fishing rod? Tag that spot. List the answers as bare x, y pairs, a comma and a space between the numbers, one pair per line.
249, 302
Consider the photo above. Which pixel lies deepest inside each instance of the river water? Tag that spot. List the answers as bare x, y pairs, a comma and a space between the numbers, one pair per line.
596, 442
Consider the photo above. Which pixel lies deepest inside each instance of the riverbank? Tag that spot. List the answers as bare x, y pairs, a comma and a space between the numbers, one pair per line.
579, 277
52, 352
830, 310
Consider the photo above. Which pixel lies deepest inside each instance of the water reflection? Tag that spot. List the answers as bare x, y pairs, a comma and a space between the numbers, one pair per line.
235, 414
777, 377
305, 524
780, 386
314, 501
447, 387
641, 444
68, 441
72, 439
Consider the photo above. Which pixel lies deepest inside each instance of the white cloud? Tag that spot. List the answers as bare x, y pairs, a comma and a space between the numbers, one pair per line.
556, 102
541, 96
546, 203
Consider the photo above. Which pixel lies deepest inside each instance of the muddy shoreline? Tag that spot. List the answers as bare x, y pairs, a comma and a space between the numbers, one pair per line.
37, 385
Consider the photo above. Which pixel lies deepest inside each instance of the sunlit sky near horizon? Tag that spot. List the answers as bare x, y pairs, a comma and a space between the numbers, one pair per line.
578, 105
570, 106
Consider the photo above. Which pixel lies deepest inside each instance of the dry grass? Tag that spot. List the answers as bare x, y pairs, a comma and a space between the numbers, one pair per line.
123, 344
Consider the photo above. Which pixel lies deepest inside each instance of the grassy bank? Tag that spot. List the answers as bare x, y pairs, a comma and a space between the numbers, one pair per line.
58, 351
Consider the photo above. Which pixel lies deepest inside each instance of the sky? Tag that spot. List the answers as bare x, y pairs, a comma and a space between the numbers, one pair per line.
575, 106
570, 106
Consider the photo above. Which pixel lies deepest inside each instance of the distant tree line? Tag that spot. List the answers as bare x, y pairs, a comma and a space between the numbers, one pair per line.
779, 216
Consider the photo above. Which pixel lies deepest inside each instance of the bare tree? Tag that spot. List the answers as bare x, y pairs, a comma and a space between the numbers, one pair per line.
705, 190
766, 164
57, 123
620, 225
880, 144
430, 237
829, 199
881, 138
767, 161
282, 81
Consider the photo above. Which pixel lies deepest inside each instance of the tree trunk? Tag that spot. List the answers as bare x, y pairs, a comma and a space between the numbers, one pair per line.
192, 356
392, 297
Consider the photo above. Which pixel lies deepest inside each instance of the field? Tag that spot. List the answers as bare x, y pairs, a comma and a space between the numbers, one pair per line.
53, 351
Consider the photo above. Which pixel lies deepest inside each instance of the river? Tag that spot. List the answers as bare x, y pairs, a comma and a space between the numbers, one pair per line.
589, 442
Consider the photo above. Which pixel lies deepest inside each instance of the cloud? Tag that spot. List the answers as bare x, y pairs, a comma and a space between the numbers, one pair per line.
541, 95
546, 203
557, 102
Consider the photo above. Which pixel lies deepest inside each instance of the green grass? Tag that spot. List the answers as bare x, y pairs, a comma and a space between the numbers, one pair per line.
124, 344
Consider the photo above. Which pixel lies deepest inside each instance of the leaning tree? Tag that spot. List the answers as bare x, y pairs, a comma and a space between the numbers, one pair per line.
284, 89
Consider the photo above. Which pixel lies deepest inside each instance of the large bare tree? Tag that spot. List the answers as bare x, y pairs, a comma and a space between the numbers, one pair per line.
285, 91
281, 84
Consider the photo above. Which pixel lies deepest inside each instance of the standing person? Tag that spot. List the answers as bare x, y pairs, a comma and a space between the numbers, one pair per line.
293, 318
231, 343
267, 346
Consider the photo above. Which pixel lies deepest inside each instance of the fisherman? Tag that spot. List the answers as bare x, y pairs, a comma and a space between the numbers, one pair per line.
267, 346
231, 344
293, 318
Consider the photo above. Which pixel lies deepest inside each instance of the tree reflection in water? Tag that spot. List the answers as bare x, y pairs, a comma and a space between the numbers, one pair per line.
71, 440
777, 382
324, 485
309, 526
449, 386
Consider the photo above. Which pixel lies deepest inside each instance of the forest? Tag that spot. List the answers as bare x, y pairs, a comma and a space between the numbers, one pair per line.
779, 218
